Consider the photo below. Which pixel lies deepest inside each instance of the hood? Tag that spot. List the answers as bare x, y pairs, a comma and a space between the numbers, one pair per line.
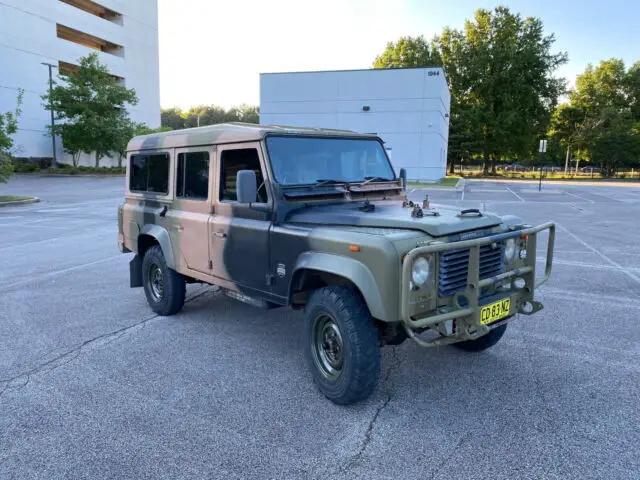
391, 214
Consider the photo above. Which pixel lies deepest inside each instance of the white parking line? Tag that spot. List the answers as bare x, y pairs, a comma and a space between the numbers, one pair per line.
590, 266
573, 296
515, 194
57, 272
600, 254
95, 233
578, 196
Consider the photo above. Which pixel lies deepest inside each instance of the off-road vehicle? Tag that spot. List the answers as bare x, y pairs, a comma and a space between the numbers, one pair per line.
317, 220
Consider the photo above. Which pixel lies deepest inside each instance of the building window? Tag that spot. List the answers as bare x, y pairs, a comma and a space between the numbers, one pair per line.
231, 162
193, 175
90, 41
70, 68
149, 173
96, 9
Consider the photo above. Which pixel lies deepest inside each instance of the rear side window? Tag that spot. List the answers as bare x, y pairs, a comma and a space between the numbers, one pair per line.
149, 173
193, 175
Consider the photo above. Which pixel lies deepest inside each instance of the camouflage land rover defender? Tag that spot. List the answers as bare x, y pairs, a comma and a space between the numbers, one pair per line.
317, 220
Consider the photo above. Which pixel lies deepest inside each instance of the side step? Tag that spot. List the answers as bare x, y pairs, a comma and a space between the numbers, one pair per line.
253, 301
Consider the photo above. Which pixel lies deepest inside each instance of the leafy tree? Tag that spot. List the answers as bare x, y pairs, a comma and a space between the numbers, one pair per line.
408, 52
248, 113
504, 68
90, 109
8, 127
618, 145
75, 142
202, 115
500, 73
463, 145
602, 120
173, 118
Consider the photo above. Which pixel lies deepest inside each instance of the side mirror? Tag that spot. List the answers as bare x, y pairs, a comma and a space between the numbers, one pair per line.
246, 188
403, 176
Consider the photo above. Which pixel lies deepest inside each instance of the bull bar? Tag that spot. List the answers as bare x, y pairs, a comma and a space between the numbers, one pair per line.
474, 284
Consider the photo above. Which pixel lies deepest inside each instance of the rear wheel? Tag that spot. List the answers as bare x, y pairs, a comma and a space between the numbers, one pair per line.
164, 287
484, 342
341, 345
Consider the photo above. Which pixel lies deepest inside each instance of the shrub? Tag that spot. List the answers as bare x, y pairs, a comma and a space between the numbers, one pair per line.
23, 167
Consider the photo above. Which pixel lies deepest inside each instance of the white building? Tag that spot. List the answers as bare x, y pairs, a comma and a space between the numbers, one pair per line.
59, 32
407, 108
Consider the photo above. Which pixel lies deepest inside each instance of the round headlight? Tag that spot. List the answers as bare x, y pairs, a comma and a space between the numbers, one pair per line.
421, 271
509, 250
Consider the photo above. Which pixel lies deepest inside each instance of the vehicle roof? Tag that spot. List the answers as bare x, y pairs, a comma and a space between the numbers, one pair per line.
229, 133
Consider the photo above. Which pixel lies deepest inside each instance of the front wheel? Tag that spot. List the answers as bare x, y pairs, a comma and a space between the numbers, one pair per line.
163, 286
484, 342
342, 345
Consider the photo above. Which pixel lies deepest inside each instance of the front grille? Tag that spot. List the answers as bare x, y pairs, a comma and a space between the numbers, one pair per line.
454, 266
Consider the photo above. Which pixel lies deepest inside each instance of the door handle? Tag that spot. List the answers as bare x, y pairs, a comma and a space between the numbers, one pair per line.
220, 234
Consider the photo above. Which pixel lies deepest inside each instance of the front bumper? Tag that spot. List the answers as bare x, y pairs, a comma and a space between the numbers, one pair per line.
467, 302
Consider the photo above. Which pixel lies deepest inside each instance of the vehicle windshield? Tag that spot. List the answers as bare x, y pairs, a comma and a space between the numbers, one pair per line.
307, 160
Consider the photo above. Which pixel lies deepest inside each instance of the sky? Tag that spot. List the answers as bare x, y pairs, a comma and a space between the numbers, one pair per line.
213, 51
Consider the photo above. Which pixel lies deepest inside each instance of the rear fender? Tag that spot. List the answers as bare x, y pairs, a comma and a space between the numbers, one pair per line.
162, 237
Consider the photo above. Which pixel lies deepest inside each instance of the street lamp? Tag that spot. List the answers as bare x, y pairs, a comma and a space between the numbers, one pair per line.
542, 149
53, 123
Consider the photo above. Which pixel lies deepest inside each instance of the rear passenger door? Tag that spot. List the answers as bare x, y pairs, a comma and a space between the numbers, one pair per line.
239, 234
192, 206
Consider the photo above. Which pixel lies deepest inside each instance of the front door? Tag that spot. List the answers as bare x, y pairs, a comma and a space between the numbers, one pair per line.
239, 234
193, 195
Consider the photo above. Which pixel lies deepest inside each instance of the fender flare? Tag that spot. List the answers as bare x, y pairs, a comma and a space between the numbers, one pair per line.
163, 238
353, 270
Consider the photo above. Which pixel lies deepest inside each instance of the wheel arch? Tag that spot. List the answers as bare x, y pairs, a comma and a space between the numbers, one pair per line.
154, 234
316, 270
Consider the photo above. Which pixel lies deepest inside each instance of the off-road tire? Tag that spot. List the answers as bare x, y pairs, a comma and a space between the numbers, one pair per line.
484, 342
360, 370
171, 299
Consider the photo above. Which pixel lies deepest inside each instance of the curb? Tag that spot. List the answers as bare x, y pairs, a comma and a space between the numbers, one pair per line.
19, 202
589, 183
460, 184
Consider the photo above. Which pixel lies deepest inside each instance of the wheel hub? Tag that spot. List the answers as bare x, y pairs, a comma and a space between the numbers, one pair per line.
328, 347
156, 282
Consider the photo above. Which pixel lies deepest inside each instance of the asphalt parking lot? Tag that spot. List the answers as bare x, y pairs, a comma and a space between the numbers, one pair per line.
93, 385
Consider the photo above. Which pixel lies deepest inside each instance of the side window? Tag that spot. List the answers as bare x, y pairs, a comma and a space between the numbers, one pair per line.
192, 180
231, 161
149, 173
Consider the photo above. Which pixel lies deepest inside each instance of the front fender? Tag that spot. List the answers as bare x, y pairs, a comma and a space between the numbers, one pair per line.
163, 238
353, 270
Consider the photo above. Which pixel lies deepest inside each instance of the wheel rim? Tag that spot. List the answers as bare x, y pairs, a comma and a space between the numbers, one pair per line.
156, 282
327, 346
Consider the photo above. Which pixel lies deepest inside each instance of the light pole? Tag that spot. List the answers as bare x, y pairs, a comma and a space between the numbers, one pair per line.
543, 149
53, 123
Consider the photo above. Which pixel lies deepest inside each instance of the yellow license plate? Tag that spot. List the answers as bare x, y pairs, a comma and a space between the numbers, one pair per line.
495, 311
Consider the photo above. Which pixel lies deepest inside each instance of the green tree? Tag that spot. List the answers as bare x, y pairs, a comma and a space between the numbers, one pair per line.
248, 113
408, 52
8, 127
202, 115
617, 146
172, 118
504, 67
500, 73
75, 142
602, 120
90, 109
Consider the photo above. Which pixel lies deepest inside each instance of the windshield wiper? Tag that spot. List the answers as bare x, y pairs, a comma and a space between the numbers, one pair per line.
375, 179
325, 181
